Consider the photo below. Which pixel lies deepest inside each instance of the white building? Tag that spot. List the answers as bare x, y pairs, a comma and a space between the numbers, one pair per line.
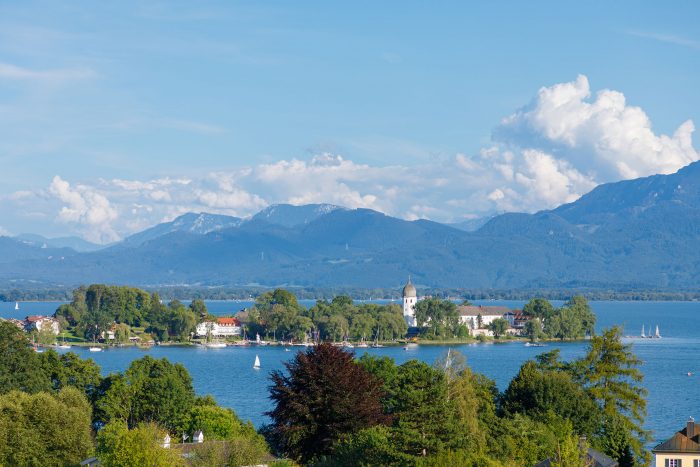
409, 304
222, 327
472, 315
41, 323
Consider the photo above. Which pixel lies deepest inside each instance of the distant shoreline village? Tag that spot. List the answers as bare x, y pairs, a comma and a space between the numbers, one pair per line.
102, 315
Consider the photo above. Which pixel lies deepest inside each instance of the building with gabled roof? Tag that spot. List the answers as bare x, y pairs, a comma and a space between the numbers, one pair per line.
680, 450
220, 327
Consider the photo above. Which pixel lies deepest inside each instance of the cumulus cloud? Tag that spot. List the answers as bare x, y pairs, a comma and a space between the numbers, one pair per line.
551, 152
603, 137
87, 208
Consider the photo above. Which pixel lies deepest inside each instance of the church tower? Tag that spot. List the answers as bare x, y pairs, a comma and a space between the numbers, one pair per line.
409, 304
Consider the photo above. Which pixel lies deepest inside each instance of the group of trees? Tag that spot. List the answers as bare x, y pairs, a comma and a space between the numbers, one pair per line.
332, 410
279, 315
574, 320
97, 308
51, 405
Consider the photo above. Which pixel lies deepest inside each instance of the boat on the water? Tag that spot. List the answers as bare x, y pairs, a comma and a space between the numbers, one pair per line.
256, 365
95, 349
16, 305
215, 345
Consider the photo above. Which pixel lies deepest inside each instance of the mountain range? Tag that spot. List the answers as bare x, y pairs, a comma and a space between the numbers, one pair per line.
642, 233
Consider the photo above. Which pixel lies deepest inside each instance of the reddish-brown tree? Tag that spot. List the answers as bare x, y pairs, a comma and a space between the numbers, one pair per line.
324, 396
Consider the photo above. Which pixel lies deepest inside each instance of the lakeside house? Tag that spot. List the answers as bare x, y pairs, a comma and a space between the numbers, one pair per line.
36, 323
469, 315
680, 450
220, 327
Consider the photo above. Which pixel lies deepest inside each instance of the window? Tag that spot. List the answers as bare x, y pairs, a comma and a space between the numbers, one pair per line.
673, 463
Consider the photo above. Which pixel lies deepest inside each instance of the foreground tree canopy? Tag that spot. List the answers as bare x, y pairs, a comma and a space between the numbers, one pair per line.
447, 415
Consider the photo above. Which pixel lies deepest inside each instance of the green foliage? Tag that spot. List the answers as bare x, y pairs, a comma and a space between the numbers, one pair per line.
537, 393
439, 317
539, 308
323, 397
610, 373
70, 370
150, 390
96, 308
19, 364
45, 429
533, 329
370, 446
118, 446
498, 327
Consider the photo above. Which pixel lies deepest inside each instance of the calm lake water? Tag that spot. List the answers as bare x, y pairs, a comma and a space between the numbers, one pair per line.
228, 373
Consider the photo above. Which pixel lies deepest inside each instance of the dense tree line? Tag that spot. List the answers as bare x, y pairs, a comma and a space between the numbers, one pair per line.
97, 308
278, 314
573, 320
51, 405
332, 410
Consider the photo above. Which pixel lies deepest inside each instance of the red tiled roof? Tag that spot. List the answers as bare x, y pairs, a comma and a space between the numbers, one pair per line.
228, 321
35, 318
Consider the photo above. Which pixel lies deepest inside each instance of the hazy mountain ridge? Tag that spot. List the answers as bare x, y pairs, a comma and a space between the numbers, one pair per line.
643, 232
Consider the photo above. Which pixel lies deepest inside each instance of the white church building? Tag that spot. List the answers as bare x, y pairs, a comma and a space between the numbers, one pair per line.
409, 304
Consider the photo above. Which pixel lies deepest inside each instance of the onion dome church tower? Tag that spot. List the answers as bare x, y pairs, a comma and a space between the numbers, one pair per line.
409, 304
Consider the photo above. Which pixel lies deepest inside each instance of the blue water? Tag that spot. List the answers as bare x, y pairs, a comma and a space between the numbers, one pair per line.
227, 373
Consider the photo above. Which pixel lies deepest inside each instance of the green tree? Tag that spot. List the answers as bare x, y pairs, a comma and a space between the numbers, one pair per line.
45, 429
533, 329
122, 332
610, 371
70, 370
324, 396
498, 327
150, 390
19, 365
537, 393
420, 409
118, 446
199, 308
439, 316
539, 308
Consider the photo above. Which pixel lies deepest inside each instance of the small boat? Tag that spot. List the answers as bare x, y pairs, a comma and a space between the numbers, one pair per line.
95, 349
657, 335
63, 346
215, 345
286, 349
256, 365
643, 335
16, 305
376, 346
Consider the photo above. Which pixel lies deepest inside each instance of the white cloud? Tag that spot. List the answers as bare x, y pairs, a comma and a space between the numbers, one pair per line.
552, 152
605, 137
14, 72
89, 209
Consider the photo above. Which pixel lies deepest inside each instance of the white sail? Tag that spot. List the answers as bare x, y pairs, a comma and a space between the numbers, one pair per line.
16, 305
256, 365
643, 331
657, 334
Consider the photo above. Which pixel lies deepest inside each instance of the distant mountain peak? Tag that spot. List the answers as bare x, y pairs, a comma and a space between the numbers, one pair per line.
198, 223
289, 215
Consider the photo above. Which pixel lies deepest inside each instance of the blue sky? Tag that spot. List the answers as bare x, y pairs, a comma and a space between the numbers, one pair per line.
115, 116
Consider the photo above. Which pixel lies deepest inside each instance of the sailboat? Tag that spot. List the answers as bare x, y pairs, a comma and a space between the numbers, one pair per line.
256, 365
63, 344
643, 335
16, 305
657, 335
650, 334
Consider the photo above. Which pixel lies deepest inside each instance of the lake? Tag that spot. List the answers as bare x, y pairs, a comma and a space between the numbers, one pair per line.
228, 373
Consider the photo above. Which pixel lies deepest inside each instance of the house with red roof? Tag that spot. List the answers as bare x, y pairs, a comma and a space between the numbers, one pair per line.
220, 327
